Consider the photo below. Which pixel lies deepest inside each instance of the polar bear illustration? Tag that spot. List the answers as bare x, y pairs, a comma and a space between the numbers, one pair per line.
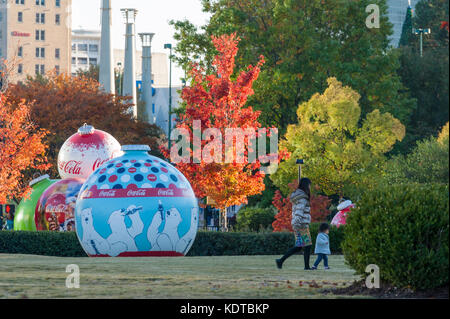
122, 238
93, 243
168, 239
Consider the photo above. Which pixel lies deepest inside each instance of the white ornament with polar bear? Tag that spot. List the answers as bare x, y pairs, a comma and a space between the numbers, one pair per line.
136, 205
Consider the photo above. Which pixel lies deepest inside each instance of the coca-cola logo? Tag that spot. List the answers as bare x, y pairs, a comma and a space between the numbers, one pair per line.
139, 192
109, 193
98, 162
71, 167
60, 208
166, 192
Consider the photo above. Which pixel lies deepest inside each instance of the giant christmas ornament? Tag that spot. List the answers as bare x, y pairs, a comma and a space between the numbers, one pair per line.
136, 205
24, 217
341, 216
55, 208
85, 151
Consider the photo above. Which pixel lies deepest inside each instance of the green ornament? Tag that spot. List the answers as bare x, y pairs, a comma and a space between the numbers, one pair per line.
24, 218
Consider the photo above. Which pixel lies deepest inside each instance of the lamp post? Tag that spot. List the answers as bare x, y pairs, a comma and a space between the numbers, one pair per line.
421, 32
169, 46
119, 66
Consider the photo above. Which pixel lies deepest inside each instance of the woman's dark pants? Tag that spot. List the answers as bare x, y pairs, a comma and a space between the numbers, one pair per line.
293, 250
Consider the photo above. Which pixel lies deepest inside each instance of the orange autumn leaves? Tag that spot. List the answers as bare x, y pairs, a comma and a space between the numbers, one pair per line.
21, 148
218, 101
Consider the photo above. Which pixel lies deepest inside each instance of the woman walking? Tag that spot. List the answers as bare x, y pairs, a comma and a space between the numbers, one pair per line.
301, 219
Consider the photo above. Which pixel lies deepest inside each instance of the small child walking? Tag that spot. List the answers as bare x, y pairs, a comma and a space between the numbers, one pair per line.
322, 246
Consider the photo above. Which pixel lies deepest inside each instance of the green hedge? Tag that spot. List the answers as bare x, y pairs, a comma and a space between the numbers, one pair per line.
206, 243
41, 243
255, 219
404, 229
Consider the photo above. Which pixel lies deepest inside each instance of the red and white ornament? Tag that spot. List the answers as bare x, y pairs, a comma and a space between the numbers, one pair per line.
85, 151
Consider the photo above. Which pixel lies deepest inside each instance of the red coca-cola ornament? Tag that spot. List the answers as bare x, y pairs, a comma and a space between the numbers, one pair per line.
86, 151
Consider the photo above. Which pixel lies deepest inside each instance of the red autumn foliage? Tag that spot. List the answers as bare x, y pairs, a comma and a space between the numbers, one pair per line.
21, 148
319, 209
217, 101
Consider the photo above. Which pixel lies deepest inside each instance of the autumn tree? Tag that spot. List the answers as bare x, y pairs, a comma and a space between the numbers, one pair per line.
61, 104
21, 148
218, 101
342, 152
304, 42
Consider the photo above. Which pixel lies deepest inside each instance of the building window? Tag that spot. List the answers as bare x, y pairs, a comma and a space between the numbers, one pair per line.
74, 61
58, 3
40, 18
57, 53
83, 61
93, 47
36, 69
40, 2
74, 47
40, 35
57, 69
93, 61
82, 47
20, 52
40, 52
20, 16
20, 1
58, 19
42, 68
20, 68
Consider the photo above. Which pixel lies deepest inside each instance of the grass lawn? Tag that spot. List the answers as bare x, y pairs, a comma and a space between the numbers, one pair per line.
27, 276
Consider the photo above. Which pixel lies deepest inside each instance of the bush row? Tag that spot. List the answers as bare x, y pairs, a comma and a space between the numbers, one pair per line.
206, 243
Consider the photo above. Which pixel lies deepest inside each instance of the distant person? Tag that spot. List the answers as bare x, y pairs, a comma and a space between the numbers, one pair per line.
322, 246
9, 221
301, 219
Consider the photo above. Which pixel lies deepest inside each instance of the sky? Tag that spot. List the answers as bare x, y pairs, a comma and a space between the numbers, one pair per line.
153, 16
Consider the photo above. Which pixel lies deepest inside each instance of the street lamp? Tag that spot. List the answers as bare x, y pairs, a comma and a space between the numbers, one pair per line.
421, 32
119, 65
169, 46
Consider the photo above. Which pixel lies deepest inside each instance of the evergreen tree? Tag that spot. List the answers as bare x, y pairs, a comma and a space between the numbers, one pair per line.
405, 38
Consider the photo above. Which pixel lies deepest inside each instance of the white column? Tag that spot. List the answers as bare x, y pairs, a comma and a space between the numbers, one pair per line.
146, 95
129, 75
106, 76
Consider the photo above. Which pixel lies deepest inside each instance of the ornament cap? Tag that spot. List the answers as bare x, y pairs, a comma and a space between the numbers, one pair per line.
86, 129
135, 148
38, 179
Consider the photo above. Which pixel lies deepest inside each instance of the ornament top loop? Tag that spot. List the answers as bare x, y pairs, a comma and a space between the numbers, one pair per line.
38, 179
135, 148
86, 129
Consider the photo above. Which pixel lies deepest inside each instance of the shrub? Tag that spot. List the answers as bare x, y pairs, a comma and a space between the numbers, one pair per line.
404, 229
427, 163
254, 218
40, 243
206, 243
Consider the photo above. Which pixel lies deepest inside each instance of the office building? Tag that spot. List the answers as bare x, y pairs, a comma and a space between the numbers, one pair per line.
35, 36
